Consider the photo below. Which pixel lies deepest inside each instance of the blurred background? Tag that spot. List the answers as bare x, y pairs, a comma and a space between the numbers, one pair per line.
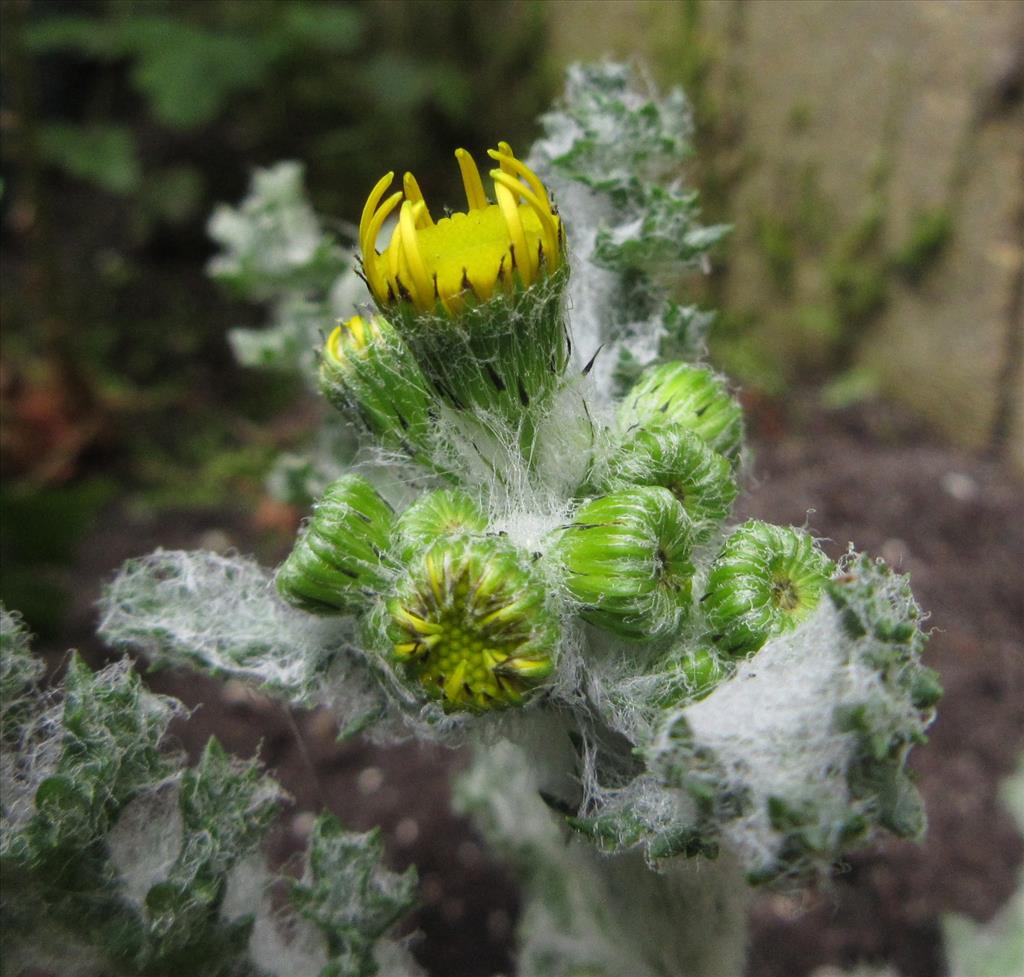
870, 156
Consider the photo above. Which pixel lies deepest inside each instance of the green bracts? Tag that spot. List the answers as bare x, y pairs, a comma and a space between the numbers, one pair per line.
678, 395
626, 560
765, 581
339, 560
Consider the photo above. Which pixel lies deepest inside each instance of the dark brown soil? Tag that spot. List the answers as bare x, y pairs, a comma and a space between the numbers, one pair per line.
954, 521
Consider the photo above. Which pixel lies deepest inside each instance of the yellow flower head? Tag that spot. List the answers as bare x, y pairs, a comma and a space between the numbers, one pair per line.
466, 255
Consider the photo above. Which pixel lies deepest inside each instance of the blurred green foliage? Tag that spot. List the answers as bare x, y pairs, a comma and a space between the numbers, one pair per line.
125, 123
100, 154
41, 532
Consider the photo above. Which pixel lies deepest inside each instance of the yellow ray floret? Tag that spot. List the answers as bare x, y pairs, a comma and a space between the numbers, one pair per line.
464, 256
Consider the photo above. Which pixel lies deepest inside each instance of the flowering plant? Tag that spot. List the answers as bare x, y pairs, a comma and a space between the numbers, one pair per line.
521, 542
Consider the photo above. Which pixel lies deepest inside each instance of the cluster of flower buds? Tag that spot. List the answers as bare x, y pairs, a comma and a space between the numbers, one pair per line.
670, 482
667, 484
460, 611
471, 320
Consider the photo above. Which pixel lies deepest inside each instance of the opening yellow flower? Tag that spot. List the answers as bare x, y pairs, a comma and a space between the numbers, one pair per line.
465, 256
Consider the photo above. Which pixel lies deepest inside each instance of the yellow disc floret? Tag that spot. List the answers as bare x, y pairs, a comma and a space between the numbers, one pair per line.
465, 256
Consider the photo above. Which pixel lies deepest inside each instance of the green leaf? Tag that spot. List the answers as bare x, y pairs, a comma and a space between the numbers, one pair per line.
327, 27
400, 84
88, 35
100, 154
349, 896
227, 805
188, 74
19, 673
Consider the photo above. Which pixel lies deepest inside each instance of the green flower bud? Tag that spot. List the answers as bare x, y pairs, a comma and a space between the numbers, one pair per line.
694, 675
691, 397
338, 561
626, 558
764, 582
681, 461
366, 369
469, 621
447, 512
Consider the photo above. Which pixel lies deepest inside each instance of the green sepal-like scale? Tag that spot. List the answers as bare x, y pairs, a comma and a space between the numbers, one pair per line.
468, 620
764, 582
338, 562
681, 461
626, 559
503, 356
685, 396
446, 512
367, 370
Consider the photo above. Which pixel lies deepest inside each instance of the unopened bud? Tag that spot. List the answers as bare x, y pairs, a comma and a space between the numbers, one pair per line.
446, 512
764, 582
367, 370
685, 396
469, 622
681, 461
626, 559
338, 560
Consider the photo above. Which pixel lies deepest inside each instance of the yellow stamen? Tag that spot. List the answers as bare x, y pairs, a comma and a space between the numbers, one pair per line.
417, 623
502, 614
393, 255
475, 196
435, 575
356, 330
529, 667
514, 167
332, 343
504, 149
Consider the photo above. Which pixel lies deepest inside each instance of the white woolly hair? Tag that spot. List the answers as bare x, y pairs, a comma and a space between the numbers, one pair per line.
771, 728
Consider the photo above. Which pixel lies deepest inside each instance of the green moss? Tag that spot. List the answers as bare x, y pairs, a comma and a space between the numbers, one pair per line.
746, 360
852, 387
865, 236
776, 239
881, 170
928, 238
813, 208
801, 115
858, 276
860, 290
818, 322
